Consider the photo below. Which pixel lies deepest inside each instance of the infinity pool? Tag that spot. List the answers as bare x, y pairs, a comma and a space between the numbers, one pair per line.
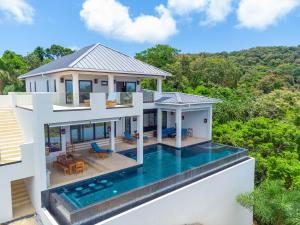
160, 161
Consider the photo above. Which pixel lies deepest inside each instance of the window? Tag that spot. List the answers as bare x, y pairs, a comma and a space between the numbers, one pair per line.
69, 91
30, 87
125, 86
34, 86
87, 132
85, 88
76, 135
47, 85
53, 138
54, 85
130, 87
100, 129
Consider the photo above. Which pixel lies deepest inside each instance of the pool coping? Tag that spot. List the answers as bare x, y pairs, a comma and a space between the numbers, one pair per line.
98, 211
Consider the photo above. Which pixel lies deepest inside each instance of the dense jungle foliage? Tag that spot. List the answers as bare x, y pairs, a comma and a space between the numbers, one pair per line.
260, 89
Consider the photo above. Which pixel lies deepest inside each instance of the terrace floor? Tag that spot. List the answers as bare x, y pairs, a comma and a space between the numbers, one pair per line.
95, 167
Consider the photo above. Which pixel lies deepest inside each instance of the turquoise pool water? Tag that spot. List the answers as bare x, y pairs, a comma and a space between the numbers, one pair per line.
160, 161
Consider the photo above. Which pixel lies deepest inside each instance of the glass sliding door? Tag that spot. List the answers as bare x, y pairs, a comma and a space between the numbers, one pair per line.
69, 91
85, 88
53, 138
150, 120
128, 124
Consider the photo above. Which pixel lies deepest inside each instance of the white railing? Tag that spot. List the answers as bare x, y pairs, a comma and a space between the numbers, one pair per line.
119, 99
23, 99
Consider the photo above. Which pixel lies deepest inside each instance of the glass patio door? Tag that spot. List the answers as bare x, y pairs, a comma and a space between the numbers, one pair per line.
69, 91
85, 88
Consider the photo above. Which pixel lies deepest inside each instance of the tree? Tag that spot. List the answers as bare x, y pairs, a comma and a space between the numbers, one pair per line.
272, 204
14, 63
57, 51
4, 78
159, 55
216, 70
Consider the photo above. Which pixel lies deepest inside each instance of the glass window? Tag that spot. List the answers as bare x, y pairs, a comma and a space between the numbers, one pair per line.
130, 87
88, 132
69, 91
85, 88
76, 133
47, 85
54, 85
99, 130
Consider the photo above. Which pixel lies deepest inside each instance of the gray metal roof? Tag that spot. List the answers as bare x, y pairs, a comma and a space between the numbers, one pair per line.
178, 98
98, 58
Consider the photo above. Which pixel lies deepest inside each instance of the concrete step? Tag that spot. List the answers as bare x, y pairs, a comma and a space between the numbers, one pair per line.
20, 195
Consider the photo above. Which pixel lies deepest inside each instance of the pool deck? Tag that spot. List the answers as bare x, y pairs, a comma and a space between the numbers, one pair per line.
116, 161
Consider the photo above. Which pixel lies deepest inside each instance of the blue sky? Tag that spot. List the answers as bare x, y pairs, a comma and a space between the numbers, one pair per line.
133, 25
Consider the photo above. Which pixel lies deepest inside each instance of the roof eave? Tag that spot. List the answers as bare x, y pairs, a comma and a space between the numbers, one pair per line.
24, 76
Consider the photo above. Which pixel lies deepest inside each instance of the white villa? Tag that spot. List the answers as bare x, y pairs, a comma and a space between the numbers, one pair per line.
93, 97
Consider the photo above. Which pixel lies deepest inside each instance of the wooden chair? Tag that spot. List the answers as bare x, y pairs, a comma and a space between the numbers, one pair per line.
79, 167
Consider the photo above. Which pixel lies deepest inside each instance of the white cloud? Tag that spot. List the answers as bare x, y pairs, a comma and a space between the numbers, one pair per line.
112, 18
259, 14
183, 7
215, 10
18, 10
218, 10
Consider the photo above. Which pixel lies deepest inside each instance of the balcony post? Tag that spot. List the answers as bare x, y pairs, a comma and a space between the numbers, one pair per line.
159, 125
111, 83
75, 82
178, 127
112, 136
159, 85
140, 140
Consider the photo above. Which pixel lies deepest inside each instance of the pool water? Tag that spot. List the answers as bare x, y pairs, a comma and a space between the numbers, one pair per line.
160, 161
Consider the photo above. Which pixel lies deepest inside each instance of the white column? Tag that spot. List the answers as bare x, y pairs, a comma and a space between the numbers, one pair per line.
140, 140
159, 125
112, 136
75, 89
159, 85
178, 128
111, 83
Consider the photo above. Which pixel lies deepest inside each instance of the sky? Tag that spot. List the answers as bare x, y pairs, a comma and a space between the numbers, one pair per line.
131, 26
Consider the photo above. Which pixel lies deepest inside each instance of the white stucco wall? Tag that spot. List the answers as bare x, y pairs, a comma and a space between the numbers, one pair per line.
10, 173
210, 201
195, 120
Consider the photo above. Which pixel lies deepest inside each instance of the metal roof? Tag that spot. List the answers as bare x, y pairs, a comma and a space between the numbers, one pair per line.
98, 58
178, 98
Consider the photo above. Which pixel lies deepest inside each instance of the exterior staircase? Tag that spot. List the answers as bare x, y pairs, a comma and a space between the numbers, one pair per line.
10, 137
20, 199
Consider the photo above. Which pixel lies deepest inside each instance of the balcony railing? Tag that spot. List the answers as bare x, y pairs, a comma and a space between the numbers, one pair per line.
23, 100
148, 96
119, 100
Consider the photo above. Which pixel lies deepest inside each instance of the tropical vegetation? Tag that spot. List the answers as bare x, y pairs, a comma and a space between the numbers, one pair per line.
260, 89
